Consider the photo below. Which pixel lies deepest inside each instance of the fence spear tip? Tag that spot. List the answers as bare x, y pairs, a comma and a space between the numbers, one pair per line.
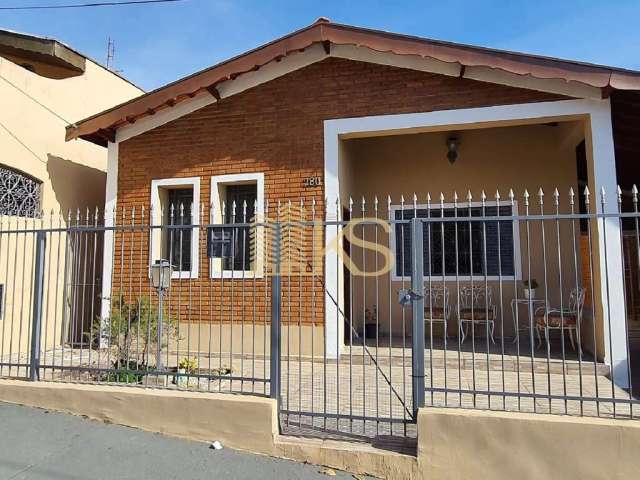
634, 189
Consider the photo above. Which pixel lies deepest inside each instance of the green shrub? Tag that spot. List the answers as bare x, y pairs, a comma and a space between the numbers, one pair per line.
132, 330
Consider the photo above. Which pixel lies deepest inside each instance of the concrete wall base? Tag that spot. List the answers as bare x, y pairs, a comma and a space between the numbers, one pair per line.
452, 443
240, 422
470, 444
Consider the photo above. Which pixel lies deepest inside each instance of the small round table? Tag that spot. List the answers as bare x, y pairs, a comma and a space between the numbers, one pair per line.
533, 304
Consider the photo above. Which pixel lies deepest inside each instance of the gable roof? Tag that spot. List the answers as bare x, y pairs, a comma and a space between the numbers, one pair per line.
101, 128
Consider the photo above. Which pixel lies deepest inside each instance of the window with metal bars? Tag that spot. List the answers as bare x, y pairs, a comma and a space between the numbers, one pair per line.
178, 240
461, 246
20, 194
240, 253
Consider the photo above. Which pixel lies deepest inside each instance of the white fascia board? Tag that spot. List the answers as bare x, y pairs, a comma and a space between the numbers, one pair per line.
316, 53
410, 62
226, 89
548, 85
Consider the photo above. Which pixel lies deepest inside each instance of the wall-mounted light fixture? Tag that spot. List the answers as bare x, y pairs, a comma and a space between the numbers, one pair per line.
452, 148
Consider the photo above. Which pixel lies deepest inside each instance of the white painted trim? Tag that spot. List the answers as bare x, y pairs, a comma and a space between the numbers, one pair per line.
216, 218
602, 175
226, 89
316, 53
111, 198
164, 116
156, 215
462, 277
549, 85
411, 62
597, 117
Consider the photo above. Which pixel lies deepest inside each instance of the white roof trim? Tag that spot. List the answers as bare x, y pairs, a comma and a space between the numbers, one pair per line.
316, 53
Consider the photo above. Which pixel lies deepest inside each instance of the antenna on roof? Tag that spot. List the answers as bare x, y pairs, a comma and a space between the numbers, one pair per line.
111, 52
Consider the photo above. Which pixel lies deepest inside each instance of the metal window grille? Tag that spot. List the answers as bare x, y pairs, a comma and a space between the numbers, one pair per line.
463, 241
20, 194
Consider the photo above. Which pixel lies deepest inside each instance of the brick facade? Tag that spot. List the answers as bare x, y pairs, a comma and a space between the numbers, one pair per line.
276, 128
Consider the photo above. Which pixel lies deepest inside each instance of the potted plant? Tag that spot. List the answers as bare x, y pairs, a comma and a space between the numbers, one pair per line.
530, 287
370, 326
186, 367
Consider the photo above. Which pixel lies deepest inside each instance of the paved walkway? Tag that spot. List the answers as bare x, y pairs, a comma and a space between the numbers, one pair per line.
35, 444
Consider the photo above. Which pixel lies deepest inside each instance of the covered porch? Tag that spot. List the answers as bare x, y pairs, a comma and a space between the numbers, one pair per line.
510, 198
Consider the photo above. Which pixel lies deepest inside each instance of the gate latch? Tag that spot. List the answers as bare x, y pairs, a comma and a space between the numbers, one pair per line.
405, 297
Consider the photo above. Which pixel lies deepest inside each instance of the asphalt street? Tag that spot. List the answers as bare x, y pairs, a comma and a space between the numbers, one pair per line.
36, 444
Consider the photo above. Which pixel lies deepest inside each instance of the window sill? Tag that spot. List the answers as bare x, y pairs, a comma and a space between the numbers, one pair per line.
460, 278
184, 275
237, 274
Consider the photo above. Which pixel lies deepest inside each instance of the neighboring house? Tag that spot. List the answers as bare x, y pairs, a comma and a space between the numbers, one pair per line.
370, 114
44, 85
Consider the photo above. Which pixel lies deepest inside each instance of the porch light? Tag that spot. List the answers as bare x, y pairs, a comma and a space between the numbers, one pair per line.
161, 271
452, 148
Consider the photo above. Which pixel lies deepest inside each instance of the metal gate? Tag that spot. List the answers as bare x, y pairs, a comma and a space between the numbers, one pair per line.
375, 384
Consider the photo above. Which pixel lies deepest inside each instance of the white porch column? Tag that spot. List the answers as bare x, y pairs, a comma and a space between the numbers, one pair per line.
610, 289
333, 276
107, 257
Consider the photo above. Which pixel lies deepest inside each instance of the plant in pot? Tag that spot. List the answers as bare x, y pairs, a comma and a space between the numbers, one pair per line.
370, 326
187, 367
530, 287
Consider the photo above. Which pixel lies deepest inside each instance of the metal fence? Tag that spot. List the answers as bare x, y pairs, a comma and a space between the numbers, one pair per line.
353, 315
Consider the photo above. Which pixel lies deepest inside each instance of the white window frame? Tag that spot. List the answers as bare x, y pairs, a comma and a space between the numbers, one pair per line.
217, 181
462, 277
156, 208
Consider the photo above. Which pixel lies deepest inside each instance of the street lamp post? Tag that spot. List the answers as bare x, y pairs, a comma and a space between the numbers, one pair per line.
161, 271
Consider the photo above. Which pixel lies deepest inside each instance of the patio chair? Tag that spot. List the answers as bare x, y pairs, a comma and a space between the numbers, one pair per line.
476, 308
437, 307
567, 318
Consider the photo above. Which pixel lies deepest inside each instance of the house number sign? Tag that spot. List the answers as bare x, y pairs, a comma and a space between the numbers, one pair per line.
308, 182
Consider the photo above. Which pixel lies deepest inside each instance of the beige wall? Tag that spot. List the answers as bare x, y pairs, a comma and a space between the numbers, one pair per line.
452, 443
73, 175
519, 157
468, 444
248, 339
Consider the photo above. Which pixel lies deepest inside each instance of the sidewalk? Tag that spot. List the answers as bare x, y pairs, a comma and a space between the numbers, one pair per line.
36, 444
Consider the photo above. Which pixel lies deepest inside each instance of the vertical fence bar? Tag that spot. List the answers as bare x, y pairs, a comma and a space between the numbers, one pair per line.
38, 290
276, 297
417, 280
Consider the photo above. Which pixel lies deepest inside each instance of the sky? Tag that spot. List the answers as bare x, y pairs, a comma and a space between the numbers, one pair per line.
156, 44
